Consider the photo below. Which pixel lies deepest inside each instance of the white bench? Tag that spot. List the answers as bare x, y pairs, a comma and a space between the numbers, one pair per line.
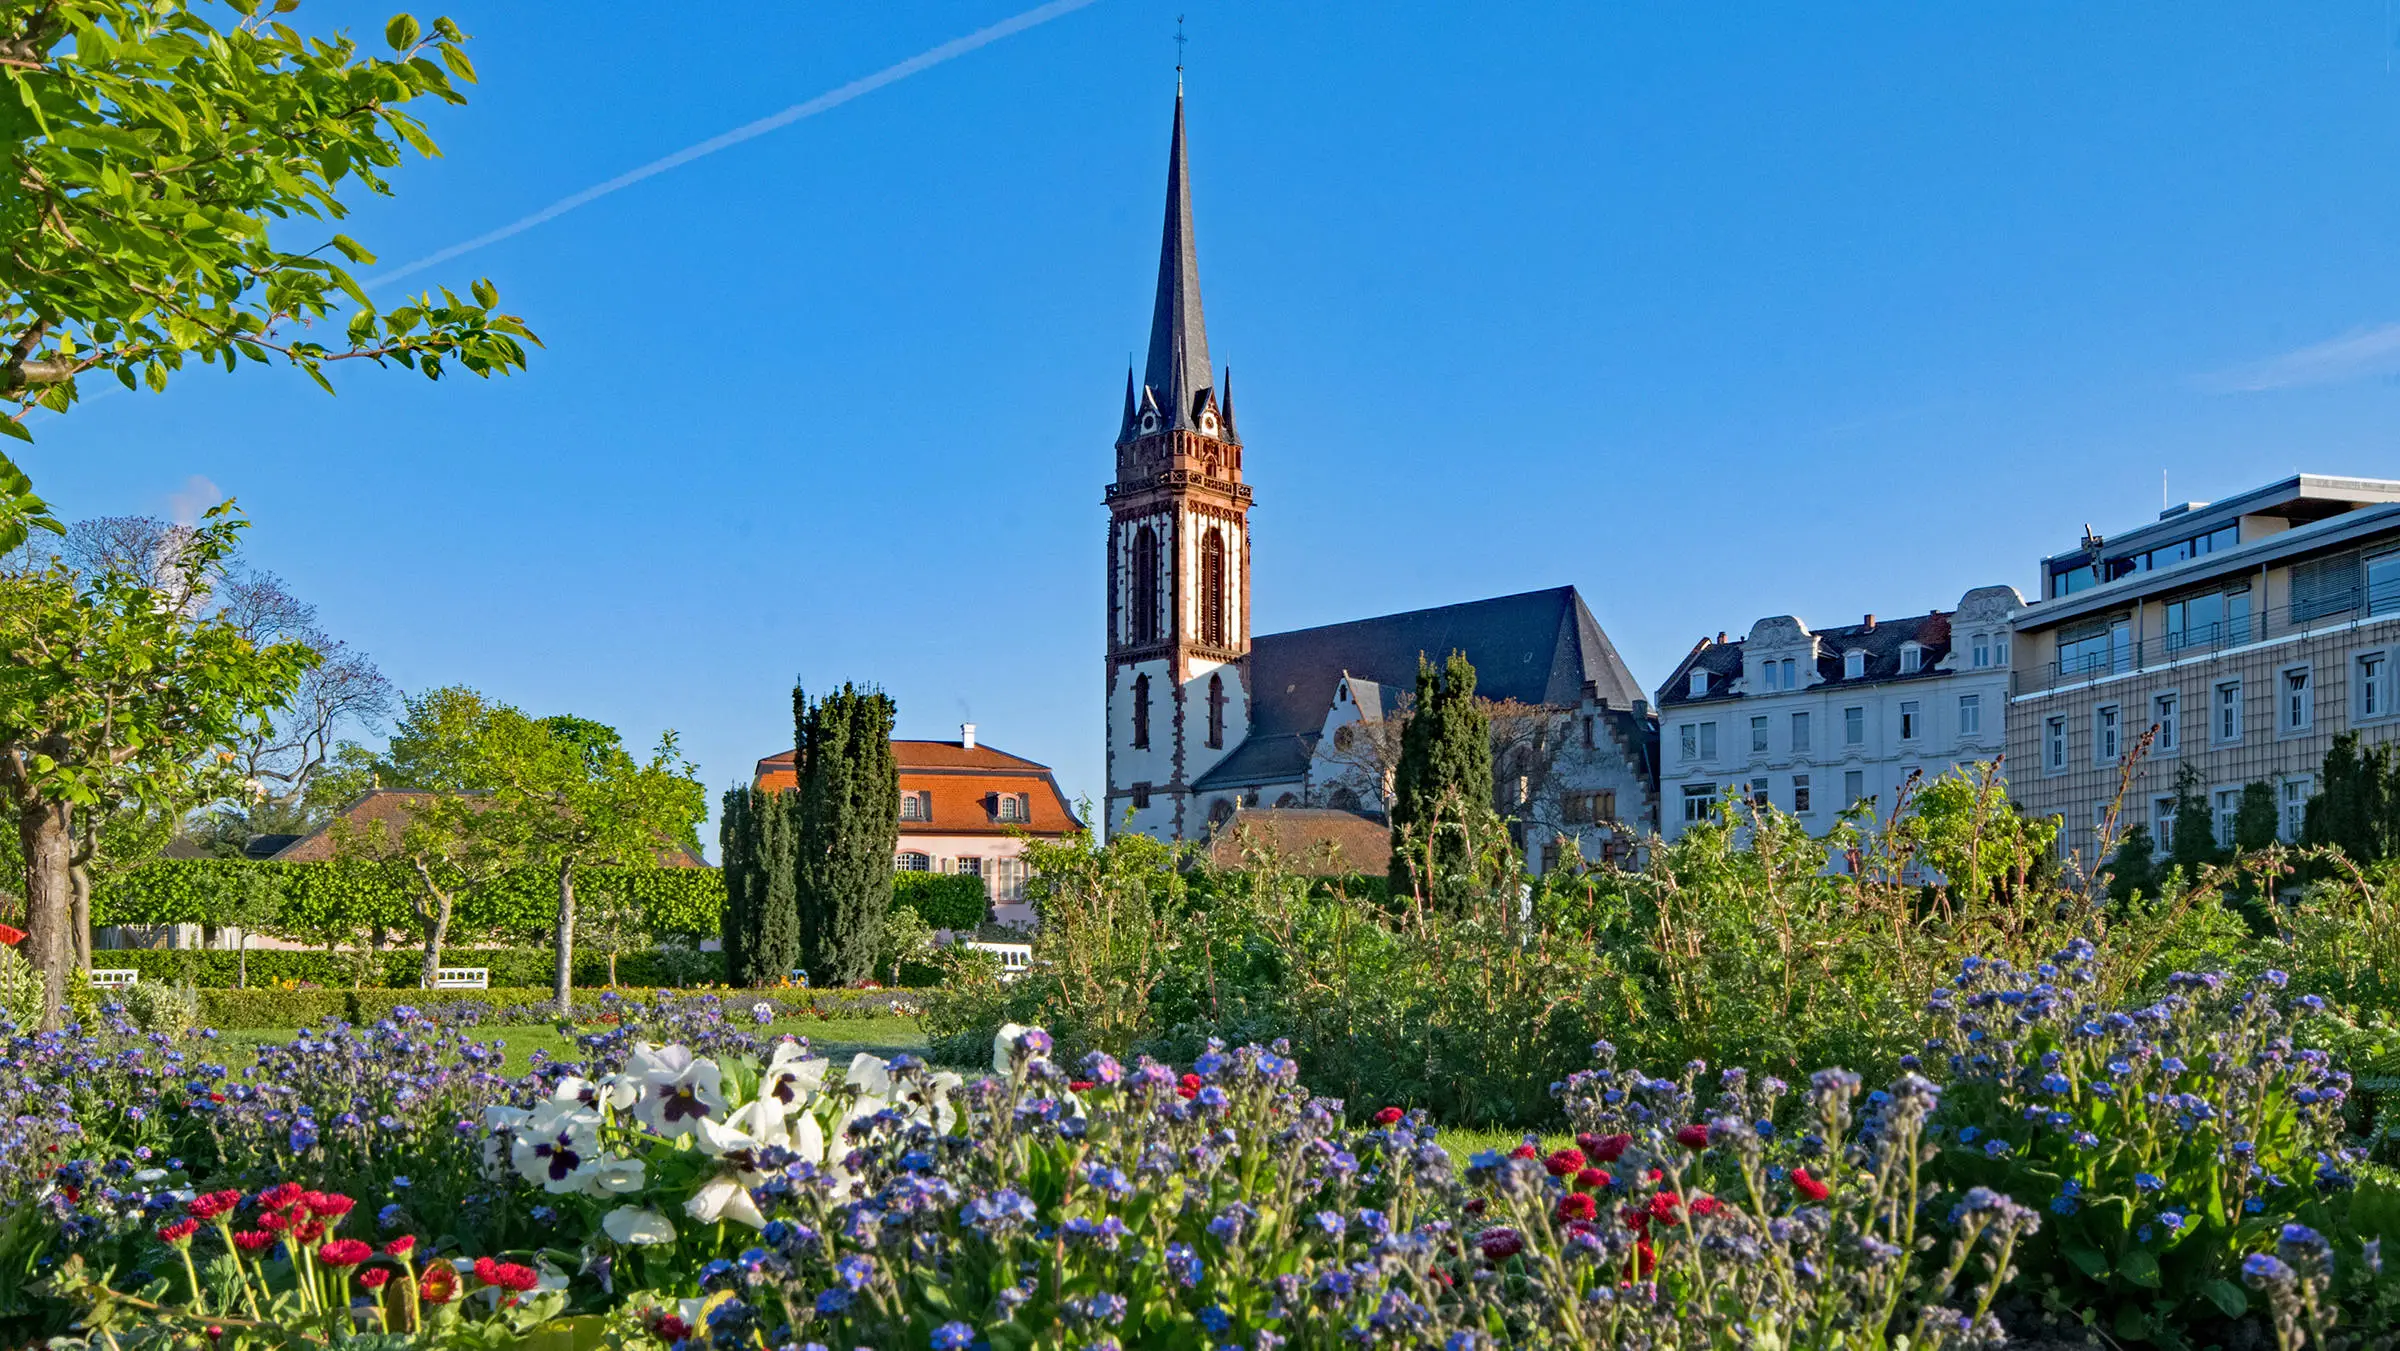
1015, 958
115, 977
462, 978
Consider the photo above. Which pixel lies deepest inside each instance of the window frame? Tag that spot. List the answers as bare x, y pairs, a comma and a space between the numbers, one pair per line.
1800, 795
1912, 720
1699, 801
2054, 744
2291, 817
2296, 706
2371, 685
1912, 658
1802, 734
1758, 734
1854, 725
2218, 708
2108, 733
1697, 687
1854, 787
1854, 664
1970, 715
2166, 714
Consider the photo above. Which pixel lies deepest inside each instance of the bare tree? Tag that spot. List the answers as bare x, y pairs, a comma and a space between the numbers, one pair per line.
1368, 751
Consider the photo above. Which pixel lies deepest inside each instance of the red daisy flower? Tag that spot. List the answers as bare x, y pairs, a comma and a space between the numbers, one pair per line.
1564, 1162
1577, 1206
1389, 1116
1692, 1137
345, 1252
1808, 1186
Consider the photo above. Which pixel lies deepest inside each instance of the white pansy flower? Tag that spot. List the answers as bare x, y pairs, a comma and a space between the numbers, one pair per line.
615, 1092
557, 1146
718, 1141
761, 1121
635, 1225
869, 1075
616, 1177
1004, 1046
679, 1089
793, 1076
806, 1138
724, 1198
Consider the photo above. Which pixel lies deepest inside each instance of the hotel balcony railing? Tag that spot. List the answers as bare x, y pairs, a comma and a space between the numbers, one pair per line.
2127, 657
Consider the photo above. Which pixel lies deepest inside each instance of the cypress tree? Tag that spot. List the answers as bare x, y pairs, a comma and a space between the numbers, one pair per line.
2254, 823
2352, 809
761, 925
736, 849
849, 825
2195, 844
1443, 783
775, 922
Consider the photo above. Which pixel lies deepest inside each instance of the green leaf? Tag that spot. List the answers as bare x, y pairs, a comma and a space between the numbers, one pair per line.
2227, 1296
353, 250
401, 32
9, 426
486, 294
2091, 1262
2140, 1267
2132, 1324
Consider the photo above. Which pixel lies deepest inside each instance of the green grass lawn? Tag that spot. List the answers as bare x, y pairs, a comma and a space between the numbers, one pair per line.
839, 1038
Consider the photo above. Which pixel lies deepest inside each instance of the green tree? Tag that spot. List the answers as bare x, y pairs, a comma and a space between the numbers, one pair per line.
610, 922
115, 692
2255, 821
849, 826
159, 162
1442, 787
758, 837
2194, 845
2133, 869
2353, 806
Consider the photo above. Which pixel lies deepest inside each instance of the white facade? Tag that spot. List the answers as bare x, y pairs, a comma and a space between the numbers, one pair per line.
1812, 721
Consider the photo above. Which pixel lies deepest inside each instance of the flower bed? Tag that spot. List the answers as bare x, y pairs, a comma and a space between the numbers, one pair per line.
683, 1182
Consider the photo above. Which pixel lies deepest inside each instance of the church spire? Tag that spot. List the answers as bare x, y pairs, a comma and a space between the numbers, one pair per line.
1177, 376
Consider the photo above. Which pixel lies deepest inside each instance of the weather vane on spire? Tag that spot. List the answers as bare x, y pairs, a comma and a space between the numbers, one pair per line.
1179, 41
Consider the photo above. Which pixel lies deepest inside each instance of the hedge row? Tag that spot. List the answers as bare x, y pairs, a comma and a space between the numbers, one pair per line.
501, 1006
340, 898
398, 968
946, 900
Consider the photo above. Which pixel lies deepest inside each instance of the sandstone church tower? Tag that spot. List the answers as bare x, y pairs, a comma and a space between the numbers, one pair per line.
1178, 555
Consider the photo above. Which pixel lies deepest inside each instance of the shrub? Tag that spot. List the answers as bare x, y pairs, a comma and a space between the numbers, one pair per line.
951, 901
156, 1006
399, 968
254, 1007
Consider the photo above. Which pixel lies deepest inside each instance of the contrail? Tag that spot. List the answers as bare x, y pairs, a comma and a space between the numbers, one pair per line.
925, 60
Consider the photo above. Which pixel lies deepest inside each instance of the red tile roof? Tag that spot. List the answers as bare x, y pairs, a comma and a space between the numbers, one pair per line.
966, 783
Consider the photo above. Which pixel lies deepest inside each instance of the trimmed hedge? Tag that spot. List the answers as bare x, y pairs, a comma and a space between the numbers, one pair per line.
315, 898
946, 900
398, 968
502, 1006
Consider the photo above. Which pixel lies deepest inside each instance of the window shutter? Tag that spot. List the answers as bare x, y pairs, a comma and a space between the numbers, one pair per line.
2324, 586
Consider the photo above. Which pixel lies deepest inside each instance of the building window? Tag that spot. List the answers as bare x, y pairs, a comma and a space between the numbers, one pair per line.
2216, 619
1854, 727
1212, 588
1767, 675
1011, 807
1970, 715
1141, 797
1912, 659
1854, 665
1699, 686
913, 862
2229, 809
2054, 745
2299, 705
2383, 583
1758, 735
2106, 726
1800, 805
1758, 793
1141, 711
2163, 708
1216, 711
1698, 798
1006, 881
2374, 690
1999, 649
1854, 786
2162, 823
1145, 585
1791, 673
2228, 720
1912, 720
1699, 740
969, 867
1983, 650
2105, 646
1583, 809
1590, 734
1687, 736
2292, 796
1800, 734
916, 806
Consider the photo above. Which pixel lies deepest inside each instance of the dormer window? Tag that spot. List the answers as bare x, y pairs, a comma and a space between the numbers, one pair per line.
1912, 659
1779, 675
1149, 423
1011, 807
1767, 675
917, 806
1699, 688
1854, 665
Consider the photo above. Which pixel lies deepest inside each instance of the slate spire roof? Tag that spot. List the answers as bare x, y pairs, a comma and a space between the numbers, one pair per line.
1177, 379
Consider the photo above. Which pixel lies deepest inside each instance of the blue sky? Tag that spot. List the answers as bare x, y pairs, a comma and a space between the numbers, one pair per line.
1820, 309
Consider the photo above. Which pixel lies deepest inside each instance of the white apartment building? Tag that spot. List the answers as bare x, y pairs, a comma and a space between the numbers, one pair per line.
1812, 720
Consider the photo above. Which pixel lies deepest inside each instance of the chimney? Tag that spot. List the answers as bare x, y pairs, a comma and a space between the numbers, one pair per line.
1870, 623
1720, 637
966, 735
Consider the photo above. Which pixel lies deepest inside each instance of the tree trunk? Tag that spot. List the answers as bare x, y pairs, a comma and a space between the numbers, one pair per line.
45, 831
241, 959
437, 929
612, 968
563, 985
79, 915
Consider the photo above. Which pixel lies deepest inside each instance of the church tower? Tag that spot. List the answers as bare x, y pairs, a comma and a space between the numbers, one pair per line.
1178, 555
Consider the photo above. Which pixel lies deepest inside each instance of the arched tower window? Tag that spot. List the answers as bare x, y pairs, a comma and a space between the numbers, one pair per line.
1145, 591
1141, 711
1216, 710
1212, 588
